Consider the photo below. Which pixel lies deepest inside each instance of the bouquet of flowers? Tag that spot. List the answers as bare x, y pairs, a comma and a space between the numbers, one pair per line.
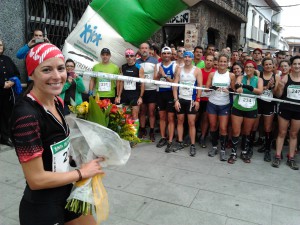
101, 129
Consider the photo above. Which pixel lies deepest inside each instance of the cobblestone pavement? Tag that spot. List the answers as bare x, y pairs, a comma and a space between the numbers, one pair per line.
157, 188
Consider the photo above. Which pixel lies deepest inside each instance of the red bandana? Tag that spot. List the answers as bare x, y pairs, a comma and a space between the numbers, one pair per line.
41, 53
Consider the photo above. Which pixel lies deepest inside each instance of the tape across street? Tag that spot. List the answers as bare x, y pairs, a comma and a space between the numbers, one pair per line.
158, 82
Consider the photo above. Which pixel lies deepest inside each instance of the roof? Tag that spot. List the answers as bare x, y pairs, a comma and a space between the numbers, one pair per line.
274, 5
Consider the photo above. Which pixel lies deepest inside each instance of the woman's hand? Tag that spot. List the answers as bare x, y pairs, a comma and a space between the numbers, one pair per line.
91, 168
197, 105
70, 79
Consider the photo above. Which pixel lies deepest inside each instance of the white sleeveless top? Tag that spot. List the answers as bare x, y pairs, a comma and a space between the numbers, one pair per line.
219, 97
187, 79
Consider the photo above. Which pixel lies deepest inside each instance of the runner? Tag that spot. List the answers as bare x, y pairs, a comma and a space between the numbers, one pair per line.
198, 53
204, 99
288, 89
148, 63
244, 111
284, 67
267, 108
103, 87
187, 101
131, 93
165, 102
41, 138
218, 106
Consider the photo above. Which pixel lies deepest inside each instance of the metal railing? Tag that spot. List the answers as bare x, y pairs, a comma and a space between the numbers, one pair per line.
55, 18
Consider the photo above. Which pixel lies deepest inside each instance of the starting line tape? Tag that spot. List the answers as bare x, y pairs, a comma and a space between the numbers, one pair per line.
158, 82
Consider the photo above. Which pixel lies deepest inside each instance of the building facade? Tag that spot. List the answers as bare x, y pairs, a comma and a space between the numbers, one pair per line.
215, 22
294, 45
55, 18
263, 26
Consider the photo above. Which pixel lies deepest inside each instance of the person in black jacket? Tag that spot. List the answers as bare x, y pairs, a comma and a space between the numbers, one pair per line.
8, 70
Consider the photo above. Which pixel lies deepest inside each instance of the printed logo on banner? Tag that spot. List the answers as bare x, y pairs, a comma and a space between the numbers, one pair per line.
89, 35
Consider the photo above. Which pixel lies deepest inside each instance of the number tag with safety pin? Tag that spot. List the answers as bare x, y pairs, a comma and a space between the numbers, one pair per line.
60, 155
246, 102
293, 92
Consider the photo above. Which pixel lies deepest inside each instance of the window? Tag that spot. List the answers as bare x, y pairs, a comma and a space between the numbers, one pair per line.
240, 5
55, 18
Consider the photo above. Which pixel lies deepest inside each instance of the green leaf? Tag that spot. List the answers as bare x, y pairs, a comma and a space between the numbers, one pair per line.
72, 102
96, 114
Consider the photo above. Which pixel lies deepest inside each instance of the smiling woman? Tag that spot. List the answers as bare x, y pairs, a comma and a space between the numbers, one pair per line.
41, 137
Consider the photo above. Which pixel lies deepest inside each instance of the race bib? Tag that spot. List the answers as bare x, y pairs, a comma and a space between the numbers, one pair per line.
246, 102
164, 85
205, 94
187, 91
104, 85
147, 76
267, 94
293, 92
129, 85
60, 155
221, 86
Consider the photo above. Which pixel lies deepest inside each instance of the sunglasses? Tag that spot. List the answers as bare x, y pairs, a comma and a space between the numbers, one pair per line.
180, 50
131, 56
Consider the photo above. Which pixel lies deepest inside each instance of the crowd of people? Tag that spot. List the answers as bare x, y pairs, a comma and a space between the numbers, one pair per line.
232, 99
227, 95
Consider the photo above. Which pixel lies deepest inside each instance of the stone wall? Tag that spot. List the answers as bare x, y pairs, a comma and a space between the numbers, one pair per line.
12, 30
206, 16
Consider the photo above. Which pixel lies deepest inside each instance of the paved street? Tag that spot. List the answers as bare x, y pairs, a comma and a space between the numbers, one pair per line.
156, 188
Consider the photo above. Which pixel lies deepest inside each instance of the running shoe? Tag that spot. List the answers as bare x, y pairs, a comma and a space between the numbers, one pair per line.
178, 146
292, 164
162, 142
169, 147
213, 151
152, 137
223, 155
142, 133
192, 150
276, 162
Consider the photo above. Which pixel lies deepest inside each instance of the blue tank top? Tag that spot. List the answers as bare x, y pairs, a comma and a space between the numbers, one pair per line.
169, 71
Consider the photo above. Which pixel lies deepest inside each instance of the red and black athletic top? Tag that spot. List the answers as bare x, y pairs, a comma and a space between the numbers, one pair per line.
33, 130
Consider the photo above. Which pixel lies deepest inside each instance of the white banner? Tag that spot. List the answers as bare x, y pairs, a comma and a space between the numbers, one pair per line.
91, 34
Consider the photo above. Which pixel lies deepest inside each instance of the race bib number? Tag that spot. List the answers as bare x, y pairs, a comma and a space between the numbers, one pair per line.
60, 155
185, 90
129, 85
221, 87
205, 94
164, 85
147, 76
246, 102
293, 92
267, 94
104, 85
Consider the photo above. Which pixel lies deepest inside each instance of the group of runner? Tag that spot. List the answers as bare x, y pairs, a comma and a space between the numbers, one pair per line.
228, 101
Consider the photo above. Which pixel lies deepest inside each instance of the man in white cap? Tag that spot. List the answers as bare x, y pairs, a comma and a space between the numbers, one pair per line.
166, 70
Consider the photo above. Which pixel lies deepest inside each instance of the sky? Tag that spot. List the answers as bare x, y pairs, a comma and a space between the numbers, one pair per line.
289, 17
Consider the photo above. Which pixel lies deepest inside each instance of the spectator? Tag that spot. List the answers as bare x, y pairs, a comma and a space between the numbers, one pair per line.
7, 95
37, 37
73, 88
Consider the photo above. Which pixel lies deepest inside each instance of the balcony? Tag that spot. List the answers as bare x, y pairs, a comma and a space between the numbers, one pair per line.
260, 36
254, 33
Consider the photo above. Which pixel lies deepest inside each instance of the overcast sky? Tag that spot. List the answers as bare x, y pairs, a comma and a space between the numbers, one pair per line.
290, 17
